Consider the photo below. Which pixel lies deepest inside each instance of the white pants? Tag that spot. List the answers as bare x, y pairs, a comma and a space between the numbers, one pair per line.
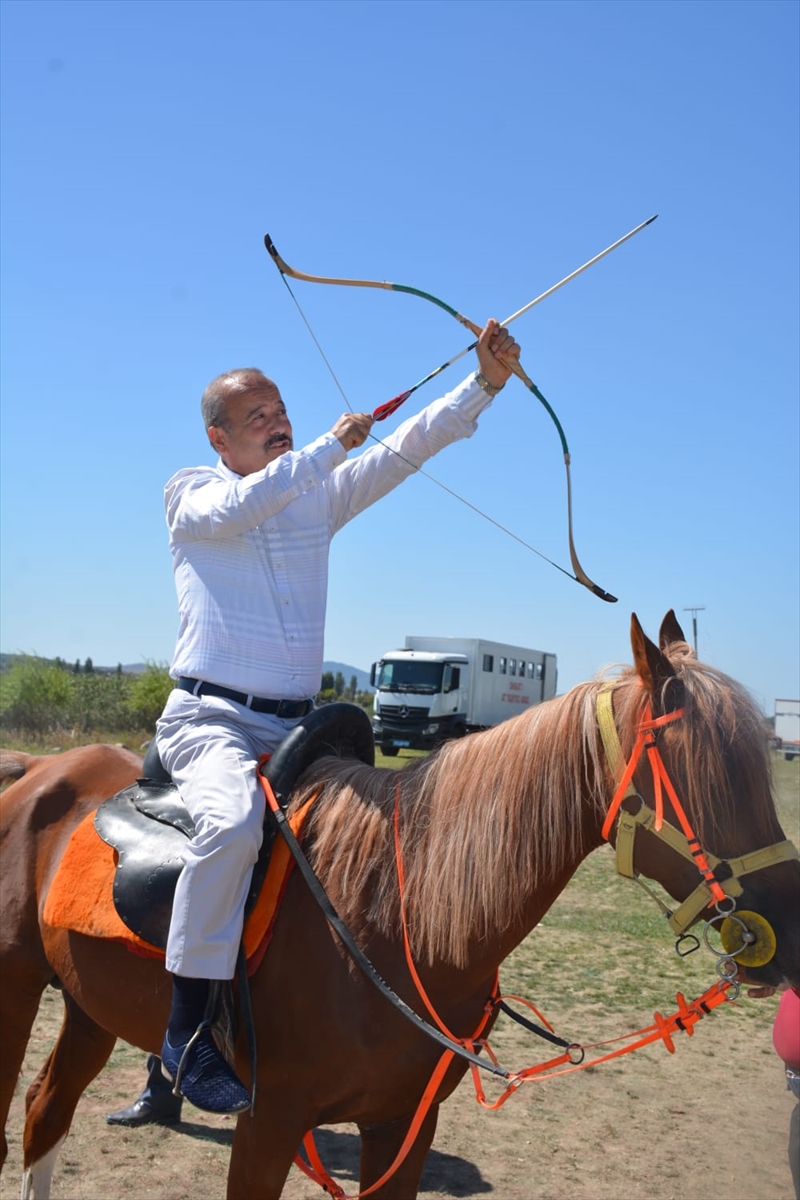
211, 748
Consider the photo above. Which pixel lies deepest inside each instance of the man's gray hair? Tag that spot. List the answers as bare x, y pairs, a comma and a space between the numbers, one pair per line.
214, 402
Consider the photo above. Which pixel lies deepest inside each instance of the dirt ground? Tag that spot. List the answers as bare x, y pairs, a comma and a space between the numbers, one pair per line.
710, 1120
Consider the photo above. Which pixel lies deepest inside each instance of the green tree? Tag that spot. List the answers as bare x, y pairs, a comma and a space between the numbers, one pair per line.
88, 667
327, 682
35, 695
148, 694
99, 702
338, 684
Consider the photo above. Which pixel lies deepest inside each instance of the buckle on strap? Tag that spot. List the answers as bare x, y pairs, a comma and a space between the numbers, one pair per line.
291, 709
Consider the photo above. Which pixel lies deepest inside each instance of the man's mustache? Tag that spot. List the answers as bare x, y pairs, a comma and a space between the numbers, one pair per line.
277, 439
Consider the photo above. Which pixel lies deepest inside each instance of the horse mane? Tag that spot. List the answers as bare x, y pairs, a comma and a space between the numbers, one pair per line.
486, 819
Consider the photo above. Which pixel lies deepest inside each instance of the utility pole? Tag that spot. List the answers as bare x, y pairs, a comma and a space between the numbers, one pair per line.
694, 611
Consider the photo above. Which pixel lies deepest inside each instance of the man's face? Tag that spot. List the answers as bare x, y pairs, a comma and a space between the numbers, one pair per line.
258, 430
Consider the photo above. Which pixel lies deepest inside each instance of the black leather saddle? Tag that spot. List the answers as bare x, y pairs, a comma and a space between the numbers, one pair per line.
148, 825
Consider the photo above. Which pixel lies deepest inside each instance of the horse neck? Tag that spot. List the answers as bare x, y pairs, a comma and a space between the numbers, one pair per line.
487, 953
507, 816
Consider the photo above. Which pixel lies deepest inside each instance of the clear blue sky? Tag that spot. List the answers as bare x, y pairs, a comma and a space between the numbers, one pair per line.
480, 151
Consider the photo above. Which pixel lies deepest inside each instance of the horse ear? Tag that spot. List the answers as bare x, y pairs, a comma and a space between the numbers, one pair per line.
655, 670
670, 631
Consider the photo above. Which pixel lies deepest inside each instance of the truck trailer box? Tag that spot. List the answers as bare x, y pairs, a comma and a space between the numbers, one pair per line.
438, 688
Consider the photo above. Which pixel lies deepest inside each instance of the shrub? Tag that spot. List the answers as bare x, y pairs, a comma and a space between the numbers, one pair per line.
148, 694
35, 695
99, 701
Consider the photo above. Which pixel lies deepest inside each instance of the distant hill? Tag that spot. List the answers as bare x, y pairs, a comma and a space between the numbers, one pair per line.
362, 677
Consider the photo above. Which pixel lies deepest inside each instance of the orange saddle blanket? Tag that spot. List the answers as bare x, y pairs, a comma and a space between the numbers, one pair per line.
81, 894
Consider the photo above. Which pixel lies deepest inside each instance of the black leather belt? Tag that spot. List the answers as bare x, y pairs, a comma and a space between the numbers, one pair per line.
289, 709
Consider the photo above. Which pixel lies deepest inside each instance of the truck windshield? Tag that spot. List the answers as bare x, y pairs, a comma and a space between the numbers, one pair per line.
395, 676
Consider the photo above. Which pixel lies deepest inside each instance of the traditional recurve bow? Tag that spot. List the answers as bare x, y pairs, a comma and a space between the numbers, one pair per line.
384, 410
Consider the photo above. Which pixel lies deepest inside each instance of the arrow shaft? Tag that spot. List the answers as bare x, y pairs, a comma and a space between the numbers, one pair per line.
574, 274
520, 311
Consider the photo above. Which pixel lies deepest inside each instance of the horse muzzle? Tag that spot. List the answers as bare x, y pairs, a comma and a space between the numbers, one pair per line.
749, 941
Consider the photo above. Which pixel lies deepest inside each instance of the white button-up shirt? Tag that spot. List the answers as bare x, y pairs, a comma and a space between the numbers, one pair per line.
250, 553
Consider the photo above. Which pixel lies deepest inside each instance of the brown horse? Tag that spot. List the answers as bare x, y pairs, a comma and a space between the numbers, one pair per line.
491, 829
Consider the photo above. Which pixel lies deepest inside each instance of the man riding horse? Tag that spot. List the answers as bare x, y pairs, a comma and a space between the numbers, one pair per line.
250, 540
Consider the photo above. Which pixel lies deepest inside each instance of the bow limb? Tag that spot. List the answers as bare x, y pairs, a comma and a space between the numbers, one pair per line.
285, 269
580, 574
512, 364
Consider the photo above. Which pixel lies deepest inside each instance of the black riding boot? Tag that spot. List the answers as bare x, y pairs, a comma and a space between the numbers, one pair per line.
157, 1104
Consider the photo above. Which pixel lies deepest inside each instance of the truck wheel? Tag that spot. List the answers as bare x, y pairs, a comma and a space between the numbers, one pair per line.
458, 731
389, 751
788, 756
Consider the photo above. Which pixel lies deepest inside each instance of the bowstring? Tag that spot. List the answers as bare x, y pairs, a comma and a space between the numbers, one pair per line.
420, 470
315, 340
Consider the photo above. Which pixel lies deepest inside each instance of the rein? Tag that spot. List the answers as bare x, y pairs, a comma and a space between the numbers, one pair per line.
663, 1028
573, 1058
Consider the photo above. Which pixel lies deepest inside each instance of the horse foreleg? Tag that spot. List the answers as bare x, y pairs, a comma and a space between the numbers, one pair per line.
264, 1146
380, 1145
18, 1009
79, 1055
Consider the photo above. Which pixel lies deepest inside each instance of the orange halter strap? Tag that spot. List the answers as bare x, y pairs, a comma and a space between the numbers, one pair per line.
720, 878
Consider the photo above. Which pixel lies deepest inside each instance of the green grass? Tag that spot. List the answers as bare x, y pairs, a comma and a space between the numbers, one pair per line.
398, 761
65, 739
135, 739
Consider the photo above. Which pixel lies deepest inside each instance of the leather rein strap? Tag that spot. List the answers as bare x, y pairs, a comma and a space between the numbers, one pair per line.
720, 881
354, 950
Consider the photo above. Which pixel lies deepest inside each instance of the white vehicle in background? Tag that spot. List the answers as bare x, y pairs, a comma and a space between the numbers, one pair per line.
787, 728
440, 688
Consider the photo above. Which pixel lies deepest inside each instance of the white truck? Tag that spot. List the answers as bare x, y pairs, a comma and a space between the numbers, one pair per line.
787, 728
440, 688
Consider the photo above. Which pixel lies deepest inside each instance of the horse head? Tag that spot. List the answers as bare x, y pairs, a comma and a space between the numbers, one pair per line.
703, 761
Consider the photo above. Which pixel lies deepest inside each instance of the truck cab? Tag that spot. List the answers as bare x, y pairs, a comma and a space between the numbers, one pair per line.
421, 699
